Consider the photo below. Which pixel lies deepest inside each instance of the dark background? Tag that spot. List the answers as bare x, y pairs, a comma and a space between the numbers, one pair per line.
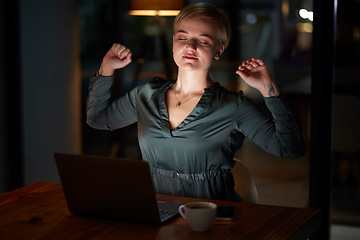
49, 49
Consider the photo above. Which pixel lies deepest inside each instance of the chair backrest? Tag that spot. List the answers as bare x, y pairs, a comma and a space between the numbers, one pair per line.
244, 183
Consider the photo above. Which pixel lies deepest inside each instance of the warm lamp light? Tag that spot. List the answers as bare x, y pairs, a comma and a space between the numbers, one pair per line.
155, 28
155, 7
154, 12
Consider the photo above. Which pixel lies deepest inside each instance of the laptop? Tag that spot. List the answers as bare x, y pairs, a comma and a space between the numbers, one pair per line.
112, 188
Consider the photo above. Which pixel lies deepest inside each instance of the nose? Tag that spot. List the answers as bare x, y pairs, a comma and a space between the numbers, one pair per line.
192, 44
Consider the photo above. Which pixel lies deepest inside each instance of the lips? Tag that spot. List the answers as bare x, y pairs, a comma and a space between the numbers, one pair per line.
190, 57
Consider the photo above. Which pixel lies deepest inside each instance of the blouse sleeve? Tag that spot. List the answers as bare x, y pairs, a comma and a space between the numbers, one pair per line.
105, 114
277, 131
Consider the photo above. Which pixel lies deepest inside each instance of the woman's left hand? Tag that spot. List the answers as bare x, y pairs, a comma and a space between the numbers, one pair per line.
257, 75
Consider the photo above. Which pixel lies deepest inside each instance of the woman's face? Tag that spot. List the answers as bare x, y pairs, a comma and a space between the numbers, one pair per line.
195, 44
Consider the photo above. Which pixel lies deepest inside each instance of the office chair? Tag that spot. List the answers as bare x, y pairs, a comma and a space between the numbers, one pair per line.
244, 183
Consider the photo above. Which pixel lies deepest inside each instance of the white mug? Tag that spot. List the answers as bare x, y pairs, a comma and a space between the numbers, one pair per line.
200, 215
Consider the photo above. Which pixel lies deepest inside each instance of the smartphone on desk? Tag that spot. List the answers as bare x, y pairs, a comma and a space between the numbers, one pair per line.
225, 213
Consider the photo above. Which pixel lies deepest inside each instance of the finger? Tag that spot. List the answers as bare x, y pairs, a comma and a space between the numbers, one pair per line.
259, 61
126, 60
115, 47
128, 57
254, 64
250, 66
242, 72
118, 49
246, 64
124, 53
242, 68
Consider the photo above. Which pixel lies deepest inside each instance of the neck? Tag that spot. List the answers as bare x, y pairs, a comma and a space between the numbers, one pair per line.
190, 82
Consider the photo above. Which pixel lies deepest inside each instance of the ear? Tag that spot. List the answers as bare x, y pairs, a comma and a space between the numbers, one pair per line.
220, 52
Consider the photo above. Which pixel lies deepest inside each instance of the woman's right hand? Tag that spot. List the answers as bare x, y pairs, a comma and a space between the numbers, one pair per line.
117, 57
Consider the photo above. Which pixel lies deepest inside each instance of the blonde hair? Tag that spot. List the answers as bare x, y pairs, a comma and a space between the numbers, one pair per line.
207, 10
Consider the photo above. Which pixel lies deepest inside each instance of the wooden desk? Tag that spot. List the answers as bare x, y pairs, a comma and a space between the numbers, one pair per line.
39, 211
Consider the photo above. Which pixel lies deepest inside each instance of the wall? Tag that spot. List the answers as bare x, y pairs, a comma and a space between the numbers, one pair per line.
50, 68
1, 100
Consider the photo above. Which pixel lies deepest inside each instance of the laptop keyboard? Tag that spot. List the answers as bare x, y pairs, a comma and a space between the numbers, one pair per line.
164, 213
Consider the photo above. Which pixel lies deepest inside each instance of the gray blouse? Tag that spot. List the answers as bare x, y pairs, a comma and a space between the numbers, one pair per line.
195, 159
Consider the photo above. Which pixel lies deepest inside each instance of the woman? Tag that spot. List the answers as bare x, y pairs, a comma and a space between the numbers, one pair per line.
190, 128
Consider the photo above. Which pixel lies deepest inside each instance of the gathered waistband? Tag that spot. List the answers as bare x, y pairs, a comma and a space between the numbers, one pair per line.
189, 176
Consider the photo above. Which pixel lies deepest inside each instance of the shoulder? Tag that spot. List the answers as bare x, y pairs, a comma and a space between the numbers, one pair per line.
156, 82
154, 86
236, 99
224, 94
